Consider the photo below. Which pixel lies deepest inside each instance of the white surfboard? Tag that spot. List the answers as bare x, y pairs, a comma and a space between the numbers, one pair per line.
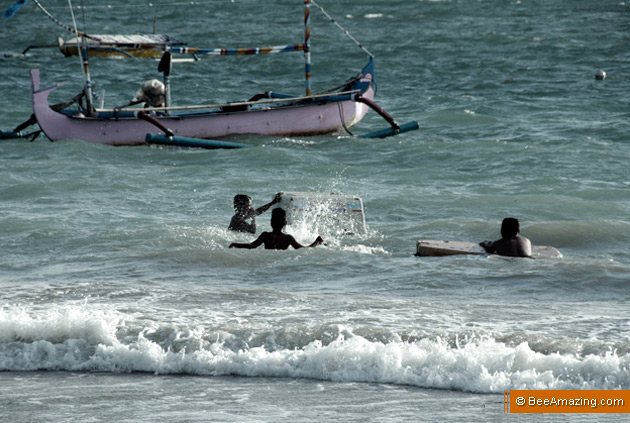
436, 248
328, 210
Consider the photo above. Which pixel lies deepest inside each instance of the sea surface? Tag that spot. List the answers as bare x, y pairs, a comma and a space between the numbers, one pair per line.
121, 301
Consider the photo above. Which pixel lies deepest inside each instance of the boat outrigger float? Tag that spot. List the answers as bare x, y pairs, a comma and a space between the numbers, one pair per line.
269, 113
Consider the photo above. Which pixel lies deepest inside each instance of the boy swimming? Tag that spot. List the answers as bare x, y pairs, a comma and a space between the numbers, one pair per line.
276, 240
511, 243
243, 211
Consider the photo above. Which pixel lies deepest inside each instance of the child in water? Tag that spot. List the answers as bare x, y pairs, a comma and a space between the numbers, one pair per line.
243, 211
511, 243
276, 240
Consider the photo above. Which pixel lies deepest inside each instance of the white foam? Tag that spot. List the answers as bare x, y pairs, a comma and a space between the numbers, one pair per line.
78, 340
58, 325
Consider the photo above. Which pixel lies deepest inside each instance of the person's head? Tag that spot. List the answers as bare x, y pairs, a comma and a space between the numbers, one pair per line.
242, 203
510, 227
278, 218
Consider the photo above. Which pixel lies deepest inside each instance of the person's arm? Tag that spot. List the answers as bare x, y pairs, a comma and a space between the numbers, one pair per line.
254, 244
238, 223
264, 208
250, 227
488, 246
297, 245
319, 240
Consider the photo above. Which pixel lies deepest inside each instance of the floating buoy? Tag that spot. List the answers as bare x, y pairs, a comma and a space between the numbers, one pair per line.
600, 75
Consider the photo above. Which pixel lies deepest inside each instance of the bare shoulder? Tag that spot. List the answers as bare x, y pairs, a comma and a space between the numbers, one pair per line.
265, 236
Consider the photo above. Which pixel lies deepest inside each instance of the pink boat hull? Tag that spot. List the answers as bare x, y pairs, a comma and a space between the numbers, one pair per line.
296, 120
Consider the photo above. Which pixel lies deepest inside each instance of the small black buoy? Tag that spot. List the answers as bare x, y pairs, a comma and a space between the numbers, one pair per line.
600, 75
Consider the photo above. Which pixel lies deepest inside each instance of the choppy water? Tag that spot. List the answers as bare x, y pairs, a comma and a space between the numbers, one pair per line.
121, 301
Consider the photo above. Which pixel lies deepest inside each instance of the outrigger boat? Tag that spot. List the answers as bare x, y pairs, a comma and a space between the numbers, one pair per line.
328, 112
289, 116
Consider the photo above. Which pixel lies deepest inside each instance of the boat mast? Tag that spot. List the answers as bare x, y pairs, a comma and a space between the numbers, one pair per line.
307, 45
83, 59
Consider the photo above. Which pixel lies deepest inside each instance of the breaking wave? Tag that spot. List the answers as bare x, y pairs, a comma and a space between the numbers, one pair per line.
84, 341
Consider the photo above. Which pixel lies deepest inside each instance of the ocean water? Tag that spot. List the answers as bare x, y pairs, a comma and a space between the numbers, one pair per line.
120, 300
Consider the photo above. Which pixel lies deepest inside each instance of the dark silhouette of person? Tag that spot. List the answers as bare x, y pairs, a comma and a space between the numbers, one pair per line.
511, 243
244, 211
276, 240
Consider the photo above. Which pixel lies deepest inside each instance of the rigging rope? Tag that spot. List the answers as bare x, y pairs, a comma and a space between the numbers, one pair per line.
341, 28
82, 34
61, 24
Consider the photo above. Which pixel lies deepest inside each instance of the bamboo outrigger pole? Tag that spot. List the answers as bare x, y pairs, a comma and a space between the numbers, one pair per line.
307, 45
84, 66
